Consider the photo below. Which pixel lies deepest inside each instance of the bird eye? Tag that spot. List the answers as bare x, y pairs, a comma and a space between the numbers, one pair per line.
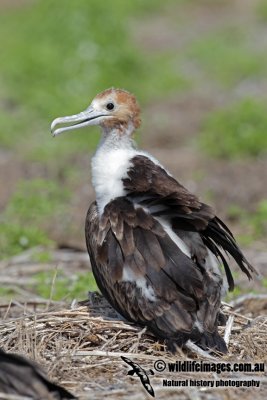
110, 106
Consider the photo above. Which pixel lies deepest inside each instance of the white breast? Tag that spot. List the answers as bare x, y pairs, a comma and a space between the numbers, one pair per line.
108, 170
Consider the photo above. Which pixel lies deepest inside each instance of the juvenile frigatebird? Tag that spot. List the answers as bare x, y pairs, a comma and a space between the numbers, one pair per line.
155, 248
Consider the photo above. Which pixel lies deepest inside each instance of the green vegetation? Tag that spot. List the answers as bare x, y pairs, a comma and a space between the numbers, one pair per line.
43, 256
234, 294
254, 223
24, 219
240, 130
7, 292
64, 287
227, 57
261, 8
56, 285
258, 220
56, 57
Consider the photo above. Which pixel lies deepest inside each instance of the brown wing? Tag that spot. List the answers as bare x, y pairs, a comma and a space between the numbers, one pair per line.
19, 376
148, 279
149, 185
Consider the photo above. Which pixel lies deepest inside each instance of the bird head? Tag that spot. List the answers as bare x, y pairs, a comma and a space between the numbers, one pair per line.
111, 109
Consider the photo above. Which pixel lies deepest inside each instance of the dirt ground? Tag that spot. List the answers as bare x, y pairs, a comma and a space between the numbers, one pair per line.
25, 325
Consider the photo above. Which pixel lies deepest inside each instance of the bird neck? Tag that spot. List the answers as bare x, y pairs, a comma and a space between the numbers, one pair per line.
117, 138
110, 165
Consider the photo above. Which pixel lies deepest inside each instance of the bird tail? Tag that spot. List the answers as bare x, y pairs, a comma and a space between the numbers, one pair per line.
198, 342
212, 341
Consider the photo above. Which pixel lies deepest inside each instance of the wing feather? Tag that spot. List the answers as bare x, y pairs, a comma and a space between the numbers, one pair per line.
165, 197
143, 272
171, 292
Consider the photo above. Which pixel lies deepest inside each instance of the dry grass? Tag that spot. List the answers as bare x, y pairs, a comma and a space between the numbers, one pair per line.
80, 347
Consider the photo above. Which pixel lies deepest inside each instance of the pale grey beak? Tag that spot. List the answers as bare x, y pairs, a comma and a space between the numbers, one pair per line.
88, 117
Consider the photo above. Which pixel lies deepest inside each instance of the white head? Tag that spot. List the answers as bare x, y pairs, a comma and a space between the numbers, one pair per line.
113, 109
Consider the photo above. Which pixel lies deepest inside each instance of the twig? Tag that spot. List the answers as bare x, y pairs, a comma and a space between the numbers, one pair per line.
4, 396
7, 311
228, 329
195, 349
226, 304
239, 315
33, 302
52, 287
99, 353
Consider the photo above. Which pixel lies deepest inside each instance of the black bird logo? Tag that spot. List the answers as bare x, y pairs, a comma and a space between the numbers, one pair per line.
141, 373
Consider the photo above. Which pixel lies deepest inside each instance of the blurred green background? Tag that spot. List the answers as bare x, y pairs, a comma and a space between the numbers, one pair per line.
199, 71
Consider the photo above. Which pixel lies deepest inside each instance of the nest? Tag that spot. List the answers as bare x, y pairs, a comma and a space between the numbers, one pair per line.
80, 347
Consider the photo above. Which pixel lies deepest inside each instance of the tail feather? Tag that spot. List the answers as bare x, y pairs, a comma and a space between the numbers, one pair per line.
217, 236
205, 340
212, 341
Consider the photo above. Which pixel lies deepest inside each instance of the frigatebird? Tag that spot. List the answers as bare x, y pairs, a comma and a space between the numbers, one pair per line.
156, 250
21, 377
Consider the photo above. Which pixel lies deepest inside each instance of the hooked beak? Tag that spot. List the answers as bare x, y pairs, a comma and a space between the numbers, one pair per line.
88, 117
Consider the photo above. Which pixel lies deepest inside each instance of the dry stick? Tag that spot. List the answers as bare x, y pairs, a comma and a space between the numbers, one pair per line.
250, 296
99, 353
32, 302
195, 349
223, 303
139, 336
228, 329
240, 315
4, 396
8, 308
52, 287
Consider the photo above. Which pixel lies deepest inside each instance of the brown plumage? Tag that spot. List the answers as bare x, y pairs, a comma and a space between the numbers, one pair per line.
20, 376
153, 245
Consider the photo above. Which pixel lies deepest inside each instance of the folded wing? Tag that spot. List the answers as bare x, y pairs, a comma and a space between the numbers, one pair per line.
143, 271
